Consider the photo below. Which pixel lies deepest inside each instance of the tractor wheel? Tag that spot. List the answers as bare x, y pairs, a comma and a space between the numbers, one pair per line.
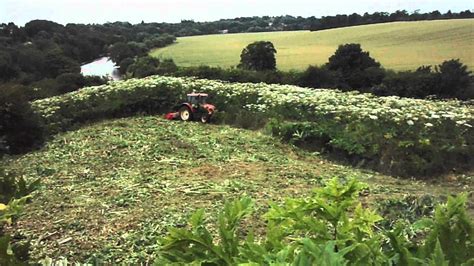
205, 118
185, 114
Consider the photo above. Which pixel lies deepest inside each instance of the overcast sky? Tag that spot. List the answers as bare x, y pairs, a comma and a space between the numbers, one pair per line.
134, 11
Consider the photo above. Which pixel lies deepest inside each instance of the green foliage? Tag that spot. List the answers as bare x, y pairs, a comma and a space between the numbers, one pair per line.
410, 208
198, 245
116, 99
454, 79
391, 150
120, 51
12, 187
146, 66
453, 229
320, 77
358, 69
328, 228
20, 128
56, 63
450, 79
14, 194
258, 56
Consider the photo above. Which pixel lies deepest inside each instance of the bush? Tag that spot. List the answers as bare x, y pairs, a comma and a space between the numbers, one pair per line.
95, 81
451, 79
320, 77
238, 75
68, 82
144, 67
20, 128
417, 84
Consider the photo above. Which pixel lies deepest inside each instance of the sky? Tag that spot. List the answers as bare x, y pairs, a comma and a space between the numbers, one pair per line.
134, 11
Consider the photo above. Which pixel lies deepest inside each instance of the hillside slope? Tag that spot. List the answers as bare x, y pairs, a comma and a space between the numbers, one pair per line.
398, 45
112, 188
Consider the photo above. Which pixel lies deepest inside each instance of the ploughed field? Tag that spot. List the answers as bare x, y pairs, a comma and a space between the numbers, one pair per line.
111, 189
396, 45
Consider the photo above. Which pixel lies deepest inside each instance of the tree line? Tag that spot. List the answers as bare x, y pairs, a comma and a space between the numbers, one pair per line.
349, 68
45, 57
288, 23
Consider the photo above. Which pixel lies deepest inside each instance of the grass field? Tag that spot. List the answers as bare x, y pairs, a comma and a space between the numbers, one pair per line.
399, 45
111, 189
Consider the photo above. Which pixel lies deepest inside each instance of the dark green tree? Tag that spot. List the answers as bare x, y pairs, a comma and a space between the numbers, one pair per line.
124, 64
454, 78
358, 69
120, 51
144, 66
56, 63
7, 69
258, 56
20, 127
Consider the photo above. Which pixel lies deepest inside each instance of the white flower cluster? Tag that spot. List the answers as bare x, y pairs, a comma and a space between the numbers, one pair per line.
349, 105
263, 97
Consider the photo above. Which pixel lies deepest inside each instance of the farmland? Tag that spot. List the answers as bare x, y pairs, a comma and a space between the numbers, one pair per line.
112, 188
398, 45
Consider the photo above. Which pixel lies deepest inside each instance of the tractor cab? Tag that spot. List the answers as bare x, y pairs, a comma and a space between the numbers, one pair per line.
197, 99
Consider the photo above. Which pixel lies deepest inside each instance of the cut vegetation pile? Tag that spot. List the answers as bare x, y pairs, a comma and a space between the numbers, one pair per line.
111, 189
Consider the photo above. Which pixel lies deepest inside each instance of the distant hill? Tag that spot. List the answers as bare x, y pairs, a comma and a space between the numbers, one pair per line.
397, 45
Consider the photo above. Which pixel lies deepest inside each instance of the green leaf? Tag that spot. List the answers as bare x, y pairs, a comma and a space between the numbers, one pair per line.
437, 259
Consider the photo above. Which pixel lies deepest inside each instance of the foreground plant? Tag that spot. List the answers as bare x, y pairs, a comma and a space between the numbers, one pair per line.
329, 228
14, 194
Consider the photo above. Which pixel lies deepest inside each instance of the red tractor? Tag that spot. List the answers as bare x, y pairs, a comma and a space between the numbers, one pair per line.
195, 108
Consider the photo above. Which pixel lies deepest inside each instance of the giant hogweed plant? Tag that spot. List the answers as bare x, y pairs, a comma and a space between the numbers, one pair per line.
331, 227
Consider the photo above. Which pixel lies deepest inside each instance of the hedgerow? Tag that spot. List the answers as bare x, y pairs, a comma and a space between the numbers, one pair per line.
404, 136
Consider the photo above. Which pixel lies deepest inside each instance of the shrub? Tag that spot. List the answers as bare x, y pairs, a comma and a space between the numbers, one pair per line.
20, 128
320, 77
68, 82
451, 79
147, 66
417, 84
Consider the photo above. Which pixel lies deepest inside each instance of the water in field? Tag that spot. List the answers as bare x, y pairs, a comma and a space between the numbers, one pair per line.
101, 67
